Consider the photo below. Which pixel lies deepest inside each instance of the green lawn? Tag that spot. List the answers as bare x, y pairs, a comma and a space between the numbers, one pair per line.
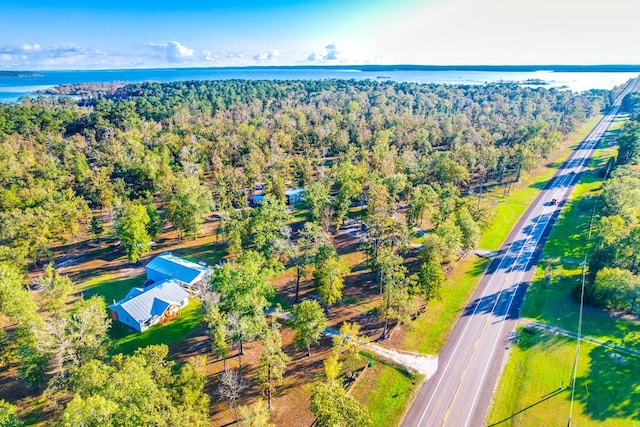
606, 386
554, 304
386, 391
300, 213
533, 388
126, 342
570, 236
109, 288
565, 249
211, 253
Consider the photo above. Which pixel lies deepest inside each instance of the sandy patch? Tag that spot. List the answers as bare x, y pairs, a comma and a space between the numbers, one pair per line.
426, 365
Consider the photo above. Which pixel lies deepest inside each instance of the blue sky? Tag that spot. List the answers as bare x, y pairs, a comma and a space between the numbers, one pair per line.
81, 34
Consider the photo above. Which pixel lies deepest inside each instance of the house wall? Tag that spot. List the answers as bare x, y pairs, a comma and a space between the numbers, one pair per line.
293, 199
121, 315
124, 317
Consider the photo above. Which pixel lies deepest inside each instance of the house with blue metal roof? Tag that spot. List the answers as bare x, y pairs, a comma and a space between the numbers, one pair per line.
294, 195
170, 282
190, 275
148, 306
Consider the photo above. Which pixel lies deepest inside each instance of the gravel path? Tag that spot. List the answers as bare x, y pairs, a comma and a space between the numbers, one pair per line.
426, 365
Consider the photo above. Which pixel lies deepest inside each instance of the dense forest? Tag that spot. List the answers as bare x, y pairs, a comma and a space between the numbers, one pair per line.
135, 161
153, 142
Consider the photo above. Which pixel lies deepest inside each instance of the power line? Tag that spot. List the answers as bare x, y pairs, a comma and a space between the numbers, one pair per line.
584, 269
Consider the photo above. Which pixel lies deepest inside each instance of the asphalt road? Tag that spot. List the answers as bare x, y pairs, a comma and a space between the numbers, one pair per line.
471, 361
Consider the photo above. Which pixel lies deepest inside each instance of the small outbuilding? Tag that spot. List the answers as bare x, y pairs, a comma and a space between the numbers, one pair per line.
256, 200
294, 195
193, 277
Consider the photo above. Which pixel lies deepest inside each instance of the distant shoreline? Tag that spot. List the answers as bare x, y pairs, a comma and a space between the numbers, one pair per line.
588, 77
13, 74
603, 68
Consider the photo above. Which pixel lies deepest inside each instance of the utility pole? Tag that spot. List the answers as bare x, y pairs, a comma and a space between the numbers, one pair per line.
575, 362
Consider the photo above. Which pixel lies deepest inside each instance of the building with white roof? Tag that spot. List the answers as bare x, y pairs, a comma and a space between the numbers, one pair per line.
190, 275
294, 195
145, 307
170, 282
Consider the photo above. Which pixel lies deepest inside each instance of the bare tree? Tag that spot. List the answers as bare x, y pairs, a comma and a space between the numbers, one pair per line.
231, 385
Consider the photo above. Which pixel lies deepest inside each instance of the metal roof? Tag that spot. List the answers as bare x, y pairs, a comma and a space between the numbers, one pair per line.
178, 268
153, 301
293, 191
133, 292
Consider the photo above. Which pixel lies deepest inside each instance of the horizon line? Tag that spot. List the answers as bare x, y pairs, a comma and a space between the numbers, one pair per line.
375, 67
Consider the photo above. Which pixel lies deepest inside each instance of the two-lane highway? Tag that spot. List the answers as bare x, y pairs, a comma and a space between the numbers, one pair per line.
471, 361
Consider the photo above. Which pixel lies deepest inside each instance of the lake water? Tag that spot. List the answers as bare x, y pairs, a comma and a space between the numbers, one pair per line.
12, 88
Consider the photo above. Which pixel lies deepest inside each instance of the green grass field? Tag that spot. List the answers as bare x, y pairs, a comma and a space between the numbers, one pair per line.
386, 391
109, 288
127, 342
607, 391
211, 253
428, 333
533, 390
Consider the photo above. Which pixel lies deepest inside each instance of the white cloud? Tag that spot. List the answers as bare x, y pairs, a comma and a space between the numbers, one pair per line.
174, 51
267, 56
59, 56
31, 47
226, 58
38, 56
334, 53
210, 56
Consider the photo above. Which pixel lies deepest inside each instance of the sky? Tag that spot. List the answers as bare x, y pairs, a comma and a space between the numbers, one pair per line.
90, 34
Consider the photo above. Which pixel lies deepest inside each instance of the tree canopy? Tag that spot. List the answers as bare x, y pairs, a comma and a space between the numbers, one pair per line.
129, 164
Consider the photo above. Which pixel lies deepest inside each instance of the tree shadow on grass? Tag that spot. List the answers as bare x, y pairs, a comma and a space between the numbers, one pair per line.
610, 388
544, 398
529, 337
